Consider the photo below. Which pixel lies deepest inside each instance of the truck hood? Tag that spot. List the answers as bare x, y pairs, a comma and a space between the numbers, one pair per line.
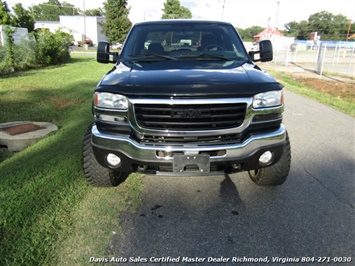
193, 79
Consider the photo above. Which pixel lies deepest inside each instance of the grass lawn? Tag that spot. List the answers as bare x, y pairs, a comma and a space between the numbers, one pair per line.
338, 95
48, 214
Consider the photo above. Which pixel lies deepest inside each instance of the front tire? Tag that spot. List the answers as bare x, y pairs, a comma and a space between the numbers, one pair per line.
95, 174
276, 174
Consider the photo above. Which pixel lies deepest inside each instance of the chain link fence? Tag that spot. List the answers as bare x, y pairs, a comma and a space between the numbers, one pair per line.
324, 58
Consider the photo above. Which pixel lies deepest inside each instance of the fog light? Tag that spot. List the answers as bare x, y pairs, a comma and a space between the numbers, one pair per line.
113, 160
266, 158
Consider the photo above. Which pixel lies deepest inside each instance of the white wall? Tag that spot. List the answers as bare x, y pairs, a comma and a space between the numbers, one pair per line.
52, 26
78, 25
100, 35
19, 34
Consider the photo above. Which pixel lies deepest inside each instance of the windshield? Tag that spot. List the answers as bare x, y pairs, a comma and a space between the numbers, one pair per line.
183, 40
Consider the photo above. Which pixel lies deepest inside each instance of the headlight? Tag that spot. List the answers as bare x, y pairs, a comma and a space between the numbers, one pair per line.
268, 99
111, 100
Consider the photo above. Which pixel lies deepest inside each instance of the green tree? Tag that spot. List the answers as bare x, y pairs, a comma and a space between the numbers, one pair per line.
249, 33
52, 9
95, 12
291, 27
327, 25
298, 30
173, 10
5, 18
22, 18
117, 22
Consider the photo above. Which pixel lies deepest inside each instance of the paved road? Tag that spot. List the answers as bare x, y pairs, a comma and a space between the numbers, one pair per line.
312, 214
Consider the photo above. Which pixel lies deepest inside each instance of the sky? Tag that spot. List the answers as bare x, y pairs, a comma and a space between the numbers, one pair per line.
241, 13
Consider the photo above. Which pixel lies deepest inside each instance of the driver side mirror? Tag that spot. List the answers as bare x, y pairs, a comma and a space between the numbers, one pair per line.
103, 53
265, 52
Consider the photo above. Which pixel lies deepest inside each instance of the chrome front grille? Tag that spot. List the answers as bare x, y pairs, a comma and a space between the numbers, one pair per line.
186, 117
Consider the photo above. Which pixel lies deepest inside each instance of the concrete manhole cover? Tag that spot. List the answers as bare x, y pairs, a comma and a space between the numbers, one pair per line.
17, 136
21, 129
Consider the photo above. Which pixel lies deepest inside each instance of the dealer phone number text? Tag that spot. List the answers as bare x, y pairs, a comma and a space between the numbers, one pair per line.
326, 259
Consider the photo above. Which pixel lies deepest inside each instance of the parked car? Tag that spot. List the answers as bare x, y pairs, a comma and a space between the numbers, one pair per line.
88, 41
116, 46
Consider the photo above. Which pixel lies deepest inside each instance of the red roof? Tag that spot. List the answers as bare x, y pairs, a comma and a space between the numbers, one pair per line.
267, 33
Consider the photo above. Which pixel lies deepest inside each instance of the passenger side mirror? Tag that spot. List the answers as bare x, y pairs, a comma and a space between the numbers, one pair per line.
103, 53
265, 52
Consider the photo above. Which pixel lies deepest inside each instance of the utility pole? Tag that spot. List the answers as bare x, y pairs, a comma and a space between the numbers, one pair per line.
348, 34
277, 13
223, 4
84, 21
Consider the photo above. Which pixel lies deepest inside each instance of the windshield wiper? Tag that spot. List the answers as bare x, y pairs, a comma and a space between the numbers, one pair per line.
149, 58
206, 56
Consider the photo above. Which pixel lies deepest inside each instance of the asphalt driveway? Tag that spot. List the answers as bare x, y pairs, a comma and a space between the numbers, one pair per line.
227, 217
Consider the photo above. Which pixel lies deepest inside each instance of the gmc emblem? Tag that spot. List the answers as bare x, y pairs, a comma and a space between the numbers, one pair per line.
185, 113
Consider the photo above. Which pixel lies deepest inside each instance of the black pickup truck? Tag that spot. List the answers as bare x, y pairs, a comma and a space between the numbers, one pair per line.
185, 98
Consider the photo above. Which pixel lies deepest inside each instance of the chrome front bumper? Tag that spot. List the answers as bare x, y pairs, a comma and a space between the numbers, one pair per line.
132, 153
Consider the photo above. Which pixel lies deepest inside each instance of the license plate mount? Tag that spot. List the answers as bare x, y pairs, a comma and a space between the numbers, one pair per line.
202, 161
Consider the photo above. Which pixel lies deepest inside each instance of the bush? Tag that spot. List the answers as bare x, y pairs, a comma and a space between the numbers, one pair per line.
39, 48
7, 55
2, 58
25, 53
52, 48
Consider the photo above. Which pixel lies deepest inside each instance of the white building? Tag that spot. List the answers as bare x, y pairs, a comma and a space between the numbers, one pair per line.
52, 26
78, 26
